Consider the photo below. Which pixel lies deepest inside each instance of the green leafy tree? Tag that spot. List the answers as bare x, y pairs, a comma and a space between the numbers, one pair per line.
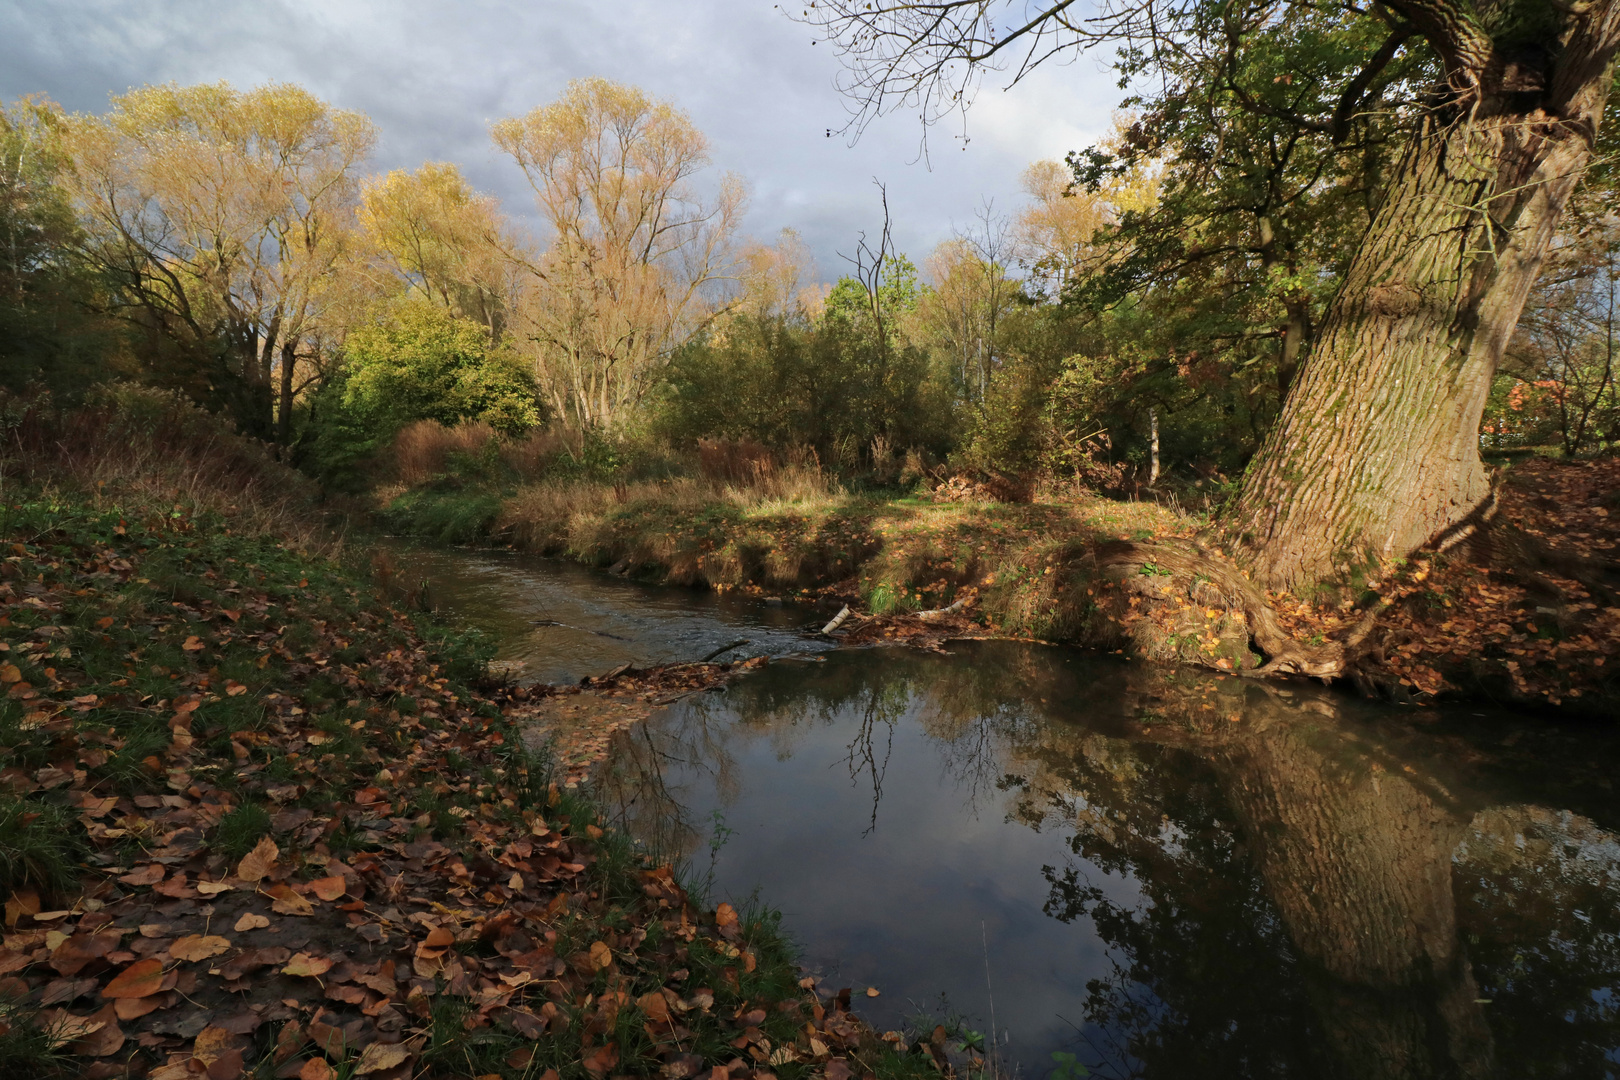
1490, 109
49, 331
421, 363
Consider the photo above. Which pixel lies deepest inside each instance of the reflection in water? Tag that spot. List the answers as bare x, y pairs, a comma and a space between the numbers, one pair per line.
1168, 874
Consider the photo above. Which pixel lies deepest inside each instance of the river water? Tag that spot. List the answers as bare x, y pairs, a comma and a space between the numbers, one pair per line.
1162, 872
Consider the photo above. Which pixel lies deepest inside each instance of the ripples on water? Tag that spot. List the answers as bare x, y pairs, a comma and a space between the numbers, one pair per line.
1165, 873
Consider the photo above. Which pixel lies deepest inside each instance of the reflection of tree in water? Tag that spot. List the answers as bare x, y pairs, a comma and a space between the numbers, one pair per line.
1299, 868
1303, 915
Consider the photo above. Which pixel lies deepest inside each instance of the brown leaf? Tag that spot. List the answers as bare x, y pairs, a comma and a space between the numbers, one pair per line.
654, 1005
228, 1066
141, 979
59, 990
70, 957
603, 1060
10, 673
108, 1039
195, 947
250, 921
283, 901
135, 1008
258, 862
212, 1042
150, 874
601, 955
214, 888
329, 888
316, 1069
439, 938
838, 1069
380, 1056
306, 965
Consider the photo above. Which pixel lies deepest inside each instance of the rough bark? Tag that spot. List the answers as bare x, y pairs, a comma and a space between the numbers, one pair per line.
1376, 451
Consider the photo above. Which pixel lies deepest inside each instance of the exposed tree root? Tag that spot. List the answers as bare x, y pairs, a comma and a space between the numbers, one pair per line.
1192, 565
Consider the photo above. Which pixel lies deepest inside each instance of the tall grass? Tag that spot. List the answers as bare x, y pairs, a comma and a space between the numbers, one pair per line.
138, 446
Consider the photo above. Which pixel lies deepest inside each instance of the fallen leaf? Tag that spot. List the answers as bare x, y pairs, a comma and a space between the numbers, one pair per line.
107, 1039
135, 1008
601, 955
10, 673
603, 1060
141, 979
195, 947
316, 1069
250, 921
213, 1042
283, 901
213, 888
439, 938
150, 874
258, 862
73, 952
307, 965
380, 1056
872, 991
329, 888
228, 1066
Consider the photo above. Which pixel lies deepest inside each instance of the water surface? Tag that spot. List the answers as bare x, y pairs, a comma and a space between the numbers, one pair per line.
1165, 873
562, 621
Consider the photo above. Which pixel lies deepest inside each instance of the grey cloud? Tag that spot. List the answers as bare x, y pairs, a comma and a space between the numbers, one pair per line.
433, 76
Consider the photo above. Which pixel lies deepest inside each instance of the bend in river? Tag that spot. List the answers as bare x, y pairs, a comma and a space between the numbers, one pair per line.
1163, 872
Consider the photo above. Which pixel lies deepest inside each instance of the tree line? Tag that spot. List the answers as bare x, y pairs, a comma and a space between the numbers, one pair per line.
1296, 183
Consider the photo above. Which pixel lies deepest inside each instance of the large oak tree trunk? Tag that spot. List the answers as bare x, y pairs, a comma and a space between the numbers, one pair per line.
1377, 451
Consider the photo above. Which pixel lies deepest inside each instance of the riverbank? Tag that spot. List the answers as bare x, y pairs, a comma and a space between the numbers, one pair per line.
256, 821
1523, 614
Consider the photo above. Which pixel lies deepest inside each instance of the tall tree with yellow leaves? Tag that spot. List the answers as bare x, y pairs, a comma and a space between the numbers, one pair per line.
223, 217
447, 243
634, 252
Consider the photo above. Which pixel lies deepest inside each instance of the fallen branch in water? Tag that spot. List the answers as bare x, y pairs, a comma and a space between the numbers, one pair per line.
724, 648
837, 620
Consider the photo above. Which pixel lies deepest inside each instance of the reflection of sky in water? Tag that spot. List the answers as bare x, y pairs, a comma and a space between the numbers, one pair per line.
988, 804
505, 594
928, 899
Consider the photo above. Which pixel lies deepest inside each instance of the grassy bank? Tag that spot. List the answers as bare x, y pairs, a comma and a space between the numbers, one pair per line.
1524, 614
256, 822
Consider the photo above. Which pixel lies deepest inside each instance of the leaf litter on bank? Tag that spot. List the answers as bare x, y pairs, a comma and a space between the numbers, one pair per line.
422, 898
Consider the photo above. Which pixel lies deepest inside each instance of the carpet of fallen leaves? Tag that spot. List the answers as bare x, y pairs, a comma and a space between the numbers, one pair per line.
1477, 622
290, 841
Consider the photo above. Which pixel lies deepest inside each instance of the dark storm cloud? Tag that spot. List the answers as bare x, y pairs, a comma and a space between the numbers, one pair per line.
433, 77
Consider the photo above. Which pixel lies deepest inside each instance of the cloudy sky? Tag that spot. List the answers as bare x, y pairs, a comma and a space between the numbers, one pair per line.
434, 75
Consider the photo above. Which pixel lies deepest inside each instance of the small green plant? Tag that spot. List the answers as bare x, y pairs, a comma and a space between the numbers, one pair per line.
27, 1048
1066, 1066
38, 846
239, 830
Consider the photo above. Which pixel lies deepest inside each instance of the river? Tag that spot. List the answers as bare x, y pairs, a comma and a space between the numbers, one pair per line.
1165, 873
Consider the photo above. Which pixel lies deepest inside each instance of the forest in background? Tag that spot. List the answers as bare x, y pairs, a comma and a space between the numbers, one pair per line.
1134, 325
